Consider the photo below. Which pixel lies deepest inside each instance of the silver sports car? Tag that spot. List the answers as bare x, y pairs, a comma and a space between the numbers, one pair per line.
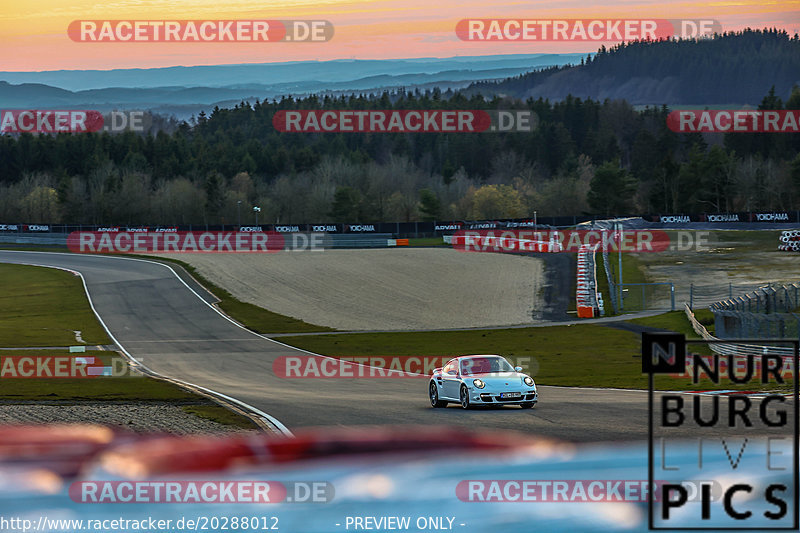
481, 380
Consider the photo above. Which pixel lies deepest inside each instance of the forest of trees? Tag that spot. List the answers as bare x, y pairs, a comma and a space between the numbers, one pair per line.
735, 68
586, 157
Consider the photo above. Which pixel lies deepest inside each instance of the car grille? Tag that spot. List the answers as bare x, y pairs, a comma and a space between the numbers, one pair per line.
486, 397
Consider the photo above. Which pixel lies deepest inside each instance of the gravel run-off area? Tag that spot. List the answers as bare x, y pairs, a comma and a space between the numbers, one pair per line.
383, 289
140, 418
715, 268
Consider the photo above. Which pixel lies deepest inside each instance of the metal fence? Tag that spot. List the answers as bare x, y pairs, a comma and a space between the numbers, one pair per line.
637, 296
736, 349
612, 288
769, 311
642, 296
766, 299
731, 324
706, 295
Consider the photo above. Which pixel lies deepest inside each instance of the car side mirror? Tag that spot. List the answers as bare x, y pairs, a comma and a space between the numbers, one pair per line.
518, 368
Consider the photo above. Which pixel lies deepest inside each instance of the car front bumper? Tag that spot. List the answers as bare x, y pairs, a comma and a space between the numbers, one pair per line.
479, 396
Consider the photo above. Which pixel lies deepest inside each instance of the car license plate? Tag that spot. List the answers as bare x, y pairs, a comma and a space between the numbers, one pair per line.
510, 395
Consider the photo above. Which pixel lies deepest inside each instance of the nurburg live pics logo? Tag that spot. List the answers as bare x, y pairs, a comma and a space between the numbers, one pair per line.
756, 490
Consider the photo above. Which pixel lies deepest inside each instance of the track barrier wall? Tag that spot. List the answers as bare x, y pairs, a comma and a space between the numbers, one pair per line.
588, 302
438, 228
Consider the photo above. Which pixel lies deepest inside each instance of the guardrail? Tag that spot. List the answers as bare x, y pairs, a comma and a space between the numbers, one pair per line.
736, 349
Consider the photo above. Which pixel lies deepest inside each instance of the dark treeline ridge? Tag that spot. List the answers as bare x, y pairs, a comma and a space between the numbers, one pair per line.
732, 68
586, 157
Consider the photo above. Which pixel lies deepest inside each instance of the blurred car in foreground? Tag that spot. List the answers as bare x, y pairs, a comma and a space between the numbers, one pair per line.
345, 479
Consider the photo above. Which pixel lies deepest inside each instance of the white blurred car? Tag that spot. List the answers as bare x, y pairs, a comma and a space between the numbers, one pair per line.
481, 380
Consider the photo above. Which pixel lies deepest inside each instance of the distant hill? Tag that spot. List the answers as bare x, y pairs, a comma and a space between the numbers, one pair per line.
268, 74
184, 91
730, 69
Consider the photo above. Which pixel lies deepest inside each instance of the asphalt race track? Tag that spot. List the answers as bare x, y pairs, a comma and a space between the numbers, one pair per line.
174, 332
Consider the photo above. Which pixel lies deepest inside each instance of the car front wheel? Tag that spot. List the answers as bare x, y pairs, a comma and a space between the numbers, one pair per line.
527, 405
434, 395
464, 397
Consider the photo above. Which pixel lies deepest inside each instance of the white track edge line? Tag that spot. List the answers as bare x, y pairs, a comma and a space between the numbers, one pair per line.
272, 420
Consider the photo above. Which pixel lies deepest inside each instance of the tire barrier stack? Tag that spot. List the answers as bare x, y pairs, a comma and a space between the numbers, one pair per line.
789, 241
588, 302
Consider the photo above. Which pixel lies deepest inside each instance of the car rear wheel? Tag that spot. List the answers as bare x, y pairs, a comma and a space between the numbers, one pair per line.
527, 405
434, 395
464, 397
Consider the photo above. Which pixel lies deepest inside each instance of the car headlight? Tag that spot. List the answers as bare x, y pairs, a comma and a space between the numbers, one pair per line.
528, 381
478, 383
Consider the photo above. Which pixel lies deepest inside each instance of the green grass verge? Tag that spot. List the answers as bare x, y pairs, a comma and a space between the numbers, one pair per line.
129, 388
676, 321
123, 388
251, 316
427, 241
34, 248
220, 415
44, 307
580, 355
583, 355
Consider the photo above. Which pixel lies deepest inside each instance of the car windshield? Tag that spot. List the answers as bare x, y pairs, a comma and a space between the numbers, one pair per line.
484, 365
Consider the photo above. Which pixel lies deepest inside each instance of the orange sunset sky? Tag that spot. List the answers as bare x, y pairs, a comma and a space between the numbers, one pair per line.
33, 33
